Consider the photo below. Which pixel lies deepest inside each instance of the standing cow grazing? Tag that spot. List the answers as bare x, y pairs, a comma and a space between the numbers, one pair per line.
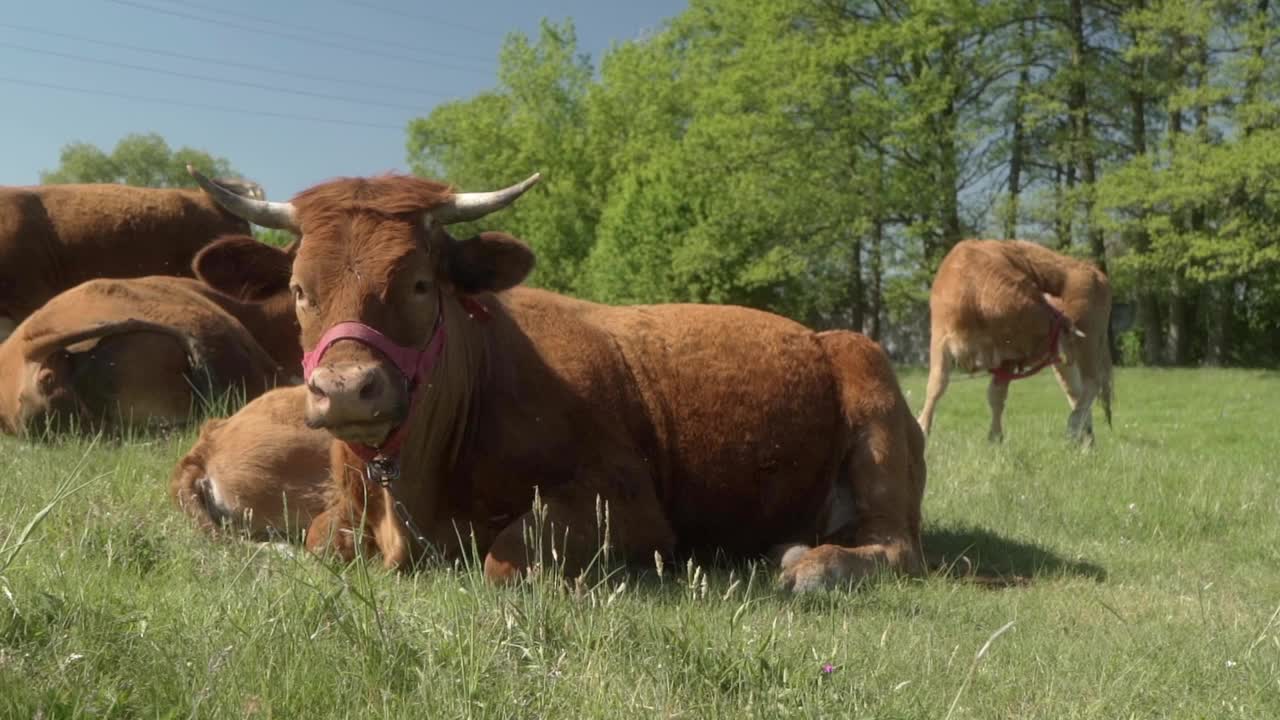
55, 237
1013, 308
453, 394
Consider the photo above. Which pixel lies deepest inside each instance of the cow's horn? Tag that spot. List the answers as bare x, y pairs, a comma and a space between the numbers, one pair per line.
473, 206
278, 215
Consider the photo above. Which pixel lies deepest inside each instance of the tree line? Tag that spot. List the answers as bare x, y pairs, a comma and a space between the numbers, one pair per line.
818, 158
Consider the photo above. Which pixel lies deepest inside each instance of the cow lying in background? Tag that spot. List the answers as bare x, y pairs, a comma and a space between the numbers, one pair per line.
146, 351
54, 237
1012, 308
697, 426
261, 471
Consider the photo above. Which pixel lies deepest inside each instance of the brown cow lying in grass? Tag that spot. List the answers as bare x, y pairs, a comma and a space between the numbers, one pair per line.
1011, 308
261, 471
454, 396
54, 237
110, 354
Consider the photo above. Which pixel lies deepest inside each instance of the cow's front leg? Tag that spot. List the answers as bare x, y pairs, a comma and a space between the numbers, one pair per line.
359, 519
565, 531
550, 536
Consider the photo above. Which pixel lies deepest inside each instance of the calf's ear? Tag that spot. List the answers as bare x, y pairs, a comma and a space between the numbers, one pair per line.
489, 262
242, 267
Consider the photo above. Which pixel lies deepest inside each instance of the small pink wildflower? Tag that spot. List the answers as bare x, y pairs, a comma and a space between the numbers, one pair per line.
828, 668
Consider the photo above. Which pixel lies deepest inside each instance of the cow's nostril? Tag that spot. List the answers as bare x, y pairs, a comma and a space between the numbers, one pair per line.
370, 388
316, 391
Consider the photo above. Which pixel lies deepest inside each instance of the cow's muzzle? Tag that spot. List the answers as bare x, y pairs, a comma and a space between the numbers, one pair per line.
362, 403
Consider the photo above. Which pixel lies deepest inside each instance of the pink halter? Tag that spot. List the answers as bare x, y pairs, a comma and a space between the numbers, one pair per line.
413, 364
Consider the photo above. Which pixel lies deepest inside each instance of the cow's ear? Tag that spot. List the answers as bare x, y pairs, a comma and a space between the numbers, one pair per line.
242, 267
489, 262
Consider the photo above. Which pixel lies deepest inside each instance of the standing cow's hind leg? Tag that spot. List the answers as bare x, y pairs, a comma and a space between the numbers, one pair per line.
997, 393
939, 376
1080, 394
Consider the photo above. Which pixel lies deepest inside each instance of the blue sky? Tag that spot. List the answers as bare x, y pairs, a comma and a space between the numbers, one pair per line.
87, 70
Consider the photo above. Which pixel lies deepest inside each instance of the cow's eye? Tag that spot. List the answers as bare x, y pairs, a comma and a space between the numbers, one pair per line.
298, 295
421, 287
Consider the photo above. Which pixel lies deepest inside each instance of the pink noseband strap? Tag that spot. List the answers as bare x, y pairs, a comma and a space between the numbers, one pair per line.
413, 363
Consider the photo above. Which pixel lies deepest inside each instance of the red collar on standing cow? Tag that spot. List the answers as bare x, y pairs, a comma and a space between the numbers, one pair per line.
1006, 374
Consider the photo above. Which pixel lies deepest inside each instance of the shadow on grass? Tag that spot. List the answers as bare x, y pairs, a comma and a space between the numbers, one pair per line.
978, 555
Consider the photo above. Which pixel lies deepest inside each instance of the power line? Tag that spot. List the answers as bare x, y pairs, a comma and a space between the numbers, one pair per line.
208, 78
319, 31
198, 106
301, 38
427, 19
220, 61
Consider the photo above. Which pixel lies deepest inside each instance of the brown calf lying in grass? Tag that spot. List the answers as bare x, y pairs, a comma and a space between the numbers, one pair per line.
260, 471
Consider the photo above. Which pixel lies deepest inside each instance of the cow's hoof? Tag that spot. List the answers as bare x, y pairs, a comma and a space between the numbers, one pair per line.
995, 437
787, 554
807, 570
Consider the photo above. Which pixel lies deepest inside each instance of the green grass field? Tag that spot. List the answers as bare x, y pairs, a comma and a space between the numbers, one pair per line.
1151, 567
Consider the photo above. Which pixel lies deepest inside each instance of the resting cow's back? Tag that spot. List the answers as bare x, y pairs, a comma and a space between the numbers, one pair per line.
745, 420
736, 426
57, 236
126, 351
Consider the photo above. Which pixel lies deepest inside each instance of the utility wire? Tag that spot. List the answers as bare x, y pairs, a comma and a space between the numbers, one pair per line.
427, 19
198, 106
302, 38
218, 61
322, 31
209, 78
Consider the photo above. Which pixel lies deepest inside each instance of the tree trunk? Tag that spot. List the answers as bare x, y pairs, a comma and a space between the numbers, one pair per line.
857, 296
1215, 297
1139, 241
948, 167
875, 300
1018, 140
1083, 156
949, 179
1257, 48
1064, 187
1179, 305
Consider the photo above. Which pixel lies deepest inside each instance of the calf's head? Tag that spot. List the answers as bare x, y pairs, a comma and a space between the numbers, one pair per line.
374, 277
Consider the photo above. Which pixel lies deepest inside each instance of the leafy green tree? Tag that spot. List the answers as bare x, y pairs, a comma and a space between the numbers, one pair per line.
534, 121
818, 158
138, 159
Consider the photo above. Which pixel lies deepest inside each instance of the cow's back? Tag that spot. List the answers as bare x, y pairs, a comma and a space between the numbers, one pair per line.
138, 364
733, 409
123, 231
57, 236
